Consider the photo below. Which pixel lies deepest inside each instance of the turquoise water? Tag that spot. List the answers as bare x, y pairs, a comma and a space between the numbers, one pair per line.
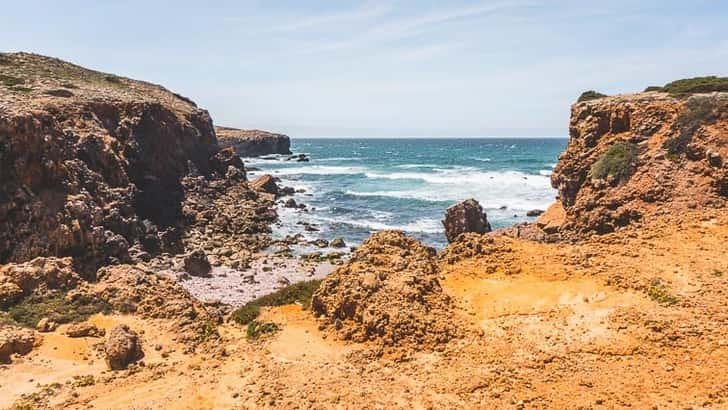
354, 187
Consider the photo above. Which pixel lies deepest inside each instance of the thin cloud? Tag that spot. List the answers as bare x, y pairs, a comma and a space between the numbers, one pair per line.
349, 16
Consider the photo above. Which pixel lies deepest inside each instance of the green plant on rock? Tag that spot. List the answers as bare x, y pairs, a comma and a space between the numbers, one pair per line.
698, 111
660, 293
300, 293
56, 307
257, 329
590, 95
208, 331
697, 85
618, 162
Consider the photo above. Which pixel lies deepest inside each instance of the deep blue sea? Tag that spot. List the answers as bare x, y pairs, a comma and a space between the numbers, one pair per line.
354, 187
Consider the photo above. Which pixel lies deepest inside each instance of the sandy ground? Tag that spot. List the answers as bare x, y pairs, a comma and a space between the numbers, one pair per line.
553, 326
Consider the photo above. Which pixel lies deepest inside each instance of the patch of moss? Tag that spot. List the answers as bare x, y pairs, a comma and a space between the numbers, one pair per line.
590, 95
257, 329
697, 85
57, 308
660, 293
300, 293
619, 162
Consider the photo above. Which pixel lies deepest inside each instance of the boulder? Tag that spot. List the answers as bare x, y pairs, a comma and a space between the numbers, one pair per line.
552, 220
46, 325
122, 348
466, 216
197, 264
265, 183
84, 329
15, 340
290, 203
337, 243
534, 212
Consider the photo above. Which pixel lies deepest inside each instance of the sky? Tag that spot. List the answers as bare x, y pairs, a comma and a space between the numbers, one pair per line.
382, 68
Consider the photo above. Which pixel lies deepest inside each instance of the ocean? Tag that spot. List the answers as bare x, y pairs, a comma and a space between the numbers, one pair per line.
354, 187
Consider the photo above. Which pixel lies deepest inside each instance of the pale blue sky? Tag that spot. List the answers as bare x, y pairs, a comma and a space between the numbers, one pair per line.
323, 68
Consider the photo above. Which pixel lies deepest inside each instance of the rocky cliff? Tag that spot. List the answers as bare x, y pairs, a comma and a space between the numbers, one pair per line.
251, 143
92, 164
636, 156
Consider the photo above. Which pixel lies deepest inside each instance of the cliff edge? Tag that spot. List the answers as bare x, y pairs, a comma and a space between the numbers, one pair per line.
253, 143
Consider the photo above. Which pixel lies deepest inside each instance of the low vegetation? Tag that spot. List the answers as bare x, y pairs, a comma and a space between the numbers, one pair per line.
11, 81
208, 331
660, 293
698, 111
618, 162
300, 293
257, 329
590, 95
56, 308
696, 85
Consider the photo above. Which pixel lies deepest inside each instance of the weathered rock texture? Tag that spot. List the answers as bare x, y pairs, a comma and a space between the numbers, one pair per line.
122, 348
466, 216
680, 147
39, 275
388, 293
93, 170
14, 340
252, 143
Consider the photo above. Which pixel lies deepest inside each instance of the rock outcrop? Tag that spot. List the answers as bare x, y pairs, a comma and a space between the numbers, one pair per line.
15, 340
389, 293
464, 217
253, 143
633, 156
37, 276
92, 171
122, 348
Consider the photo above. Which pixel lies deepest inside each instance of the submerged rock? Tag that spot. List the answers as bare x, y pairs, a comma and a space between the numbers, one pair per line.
466, 216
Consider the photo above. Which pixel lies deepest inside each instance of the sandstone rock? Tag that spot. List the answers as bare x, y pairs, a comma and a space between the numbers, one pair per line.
265, 183
338, 243
40, 274
122, 348
46, 325
466, 216
388, 293
196, 263
253, 143
551, 220
84, 329
15, 340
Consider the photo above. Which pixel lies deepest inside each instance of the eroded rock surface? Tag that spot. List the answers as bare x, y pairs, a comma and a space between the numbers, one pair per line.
464, 217
122, 348
388, 293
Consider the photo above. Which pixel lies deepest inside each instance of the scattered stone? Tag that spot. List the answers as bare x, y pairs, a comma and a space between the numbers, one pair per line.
84, 329
46, 325
122, 348
196, 264
338, 243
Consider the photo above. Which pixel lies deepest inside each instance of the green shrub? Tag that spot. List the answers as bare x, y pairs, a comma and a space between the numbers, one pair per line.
297, 293
619, 162
32, 309
653, 88
208, 331
112, 79
660, 293
698, 111
590, 95
257, 329
697, 85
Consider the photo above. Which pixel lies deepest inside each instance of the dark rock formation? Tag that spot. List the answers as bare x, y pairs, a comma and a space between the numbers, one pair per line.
466, 216
122, 348
253, 143
265, 183
196, 263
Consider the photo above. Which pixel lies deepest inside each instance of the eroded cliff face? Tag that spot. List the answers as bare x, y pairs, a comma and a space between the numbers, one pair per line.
252, 143
90, 163
634, 156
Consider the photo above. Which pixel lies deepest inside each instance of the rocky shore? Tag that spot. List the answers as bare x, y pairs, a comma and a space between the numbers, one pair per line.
137, 268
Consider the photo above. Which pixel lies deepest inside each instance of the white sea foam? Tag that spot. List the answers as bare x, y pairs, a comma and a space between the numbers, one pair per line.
319, 170
545, 172
424, 225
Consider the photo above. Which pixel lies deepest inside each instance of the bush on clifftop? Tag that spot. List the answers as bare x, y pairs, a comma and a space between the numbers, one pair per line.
618, 162
590, 95
697, 85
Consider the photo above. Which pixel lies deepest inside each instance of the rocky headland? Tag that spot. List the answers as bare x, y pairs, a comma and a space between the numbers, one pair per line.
119, 211
253, 143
